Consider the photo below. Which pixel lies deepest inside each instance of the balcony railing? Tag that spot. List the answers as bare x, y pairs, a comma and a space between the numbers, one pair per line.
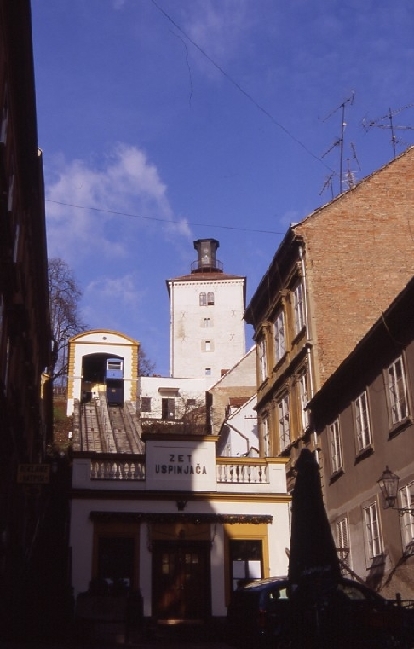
249, 471
117, 468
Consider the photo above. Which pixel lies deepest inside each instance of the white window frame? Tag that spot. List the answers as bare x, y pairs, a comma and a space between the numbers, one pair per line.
343, 540
265, 434
406, 499
335, 443
284, 422
362, 423
202, 298
279, 336
208, 345
372, 531
210, 298
207, 322
397, 391
303, 400
299, 307
262, 349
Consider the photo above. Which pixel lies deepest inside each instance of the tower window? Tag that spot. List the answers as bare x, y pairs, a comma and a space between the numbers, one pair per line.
210, 298
202, 299
207, 371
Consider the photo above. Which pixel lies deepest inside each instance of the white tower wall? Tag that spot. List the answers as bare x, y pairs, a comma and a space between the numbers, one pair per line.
206, 338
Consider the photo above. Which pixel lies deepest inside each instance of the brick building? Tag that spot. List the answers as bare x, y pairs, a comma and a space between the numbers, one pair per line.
330, 279
363, 416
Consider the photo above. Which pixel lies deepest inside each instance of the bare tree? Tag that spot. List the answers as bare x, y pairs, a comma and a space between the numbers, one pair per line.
146, 367
64, 297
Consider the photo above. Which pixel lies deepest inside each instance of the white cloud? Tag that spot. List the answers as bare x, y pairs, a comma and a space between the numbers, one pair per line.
109, 299
218, 27
124, 182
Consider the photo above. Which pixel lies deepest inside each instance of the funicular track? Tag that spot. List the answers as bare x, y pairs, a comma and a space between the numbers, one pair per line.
91, 429
117, 419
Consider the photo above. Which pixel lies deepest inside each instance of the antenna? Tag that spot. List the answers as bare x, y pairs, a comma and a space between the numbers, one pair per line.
340, 140
387, 122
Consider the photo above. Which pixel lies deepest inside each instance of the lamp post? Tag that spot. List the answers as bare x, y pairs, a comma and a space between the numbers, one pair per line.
388, 483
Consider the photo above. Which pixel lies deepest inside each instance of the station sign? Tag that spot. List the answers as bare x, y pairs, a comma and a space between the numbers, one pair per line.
33, 474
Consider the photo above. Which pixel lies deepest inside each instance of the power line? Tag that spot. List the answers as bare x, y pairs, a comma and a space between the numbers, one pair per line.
154, 218
239, 87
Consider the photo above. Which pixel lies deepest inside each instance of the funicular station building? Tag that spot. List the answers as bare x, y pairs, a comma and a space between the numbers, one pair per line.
154, 510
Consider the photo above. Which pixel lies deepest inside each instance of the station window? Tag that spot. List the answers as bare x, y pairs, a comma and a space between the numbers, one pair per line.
246, 561
145, 404
168, 408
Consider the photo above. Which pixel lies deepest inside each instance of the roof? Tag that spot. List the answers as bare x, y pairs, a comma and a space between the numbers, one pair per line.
204, 277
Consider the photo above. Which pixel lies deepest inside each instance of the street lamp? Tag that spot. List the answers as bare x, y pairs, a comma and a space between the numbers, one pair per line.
388, 483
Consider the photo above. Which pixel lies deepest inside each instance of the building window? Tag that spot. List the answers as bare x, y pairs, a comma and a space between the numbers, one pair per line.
374, 544
362, 423
342, 542
279, 337
263, 359
397, 390
210, 298
284, 423
168, 408
207, 371
407, 519
207, 322
145, 404
246, 561
202, 299
335, 443
116, 561
191, 402
303, 400
265, 435
299, 308
207, 346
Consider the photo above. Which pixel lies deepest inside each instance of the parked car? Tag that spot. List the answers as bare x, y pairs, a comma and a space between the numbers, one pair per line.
271, 613
256, 613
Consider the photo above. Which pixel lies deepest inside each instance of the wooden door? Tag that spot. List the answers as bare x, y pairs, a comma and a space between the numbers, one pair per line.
181, 581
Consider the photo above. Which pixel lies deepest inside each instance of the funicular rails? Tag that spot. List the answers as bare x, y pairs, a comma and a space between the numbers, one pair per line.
118, 425
91, 432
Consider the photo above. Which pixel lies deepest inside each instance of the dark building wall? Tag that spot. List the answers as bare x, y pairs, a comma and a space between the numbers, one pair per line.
25, 339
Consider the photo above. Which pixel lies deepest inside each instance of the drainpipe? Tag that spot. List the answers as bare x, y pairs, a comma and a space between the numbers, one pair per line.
171, 328
308, 342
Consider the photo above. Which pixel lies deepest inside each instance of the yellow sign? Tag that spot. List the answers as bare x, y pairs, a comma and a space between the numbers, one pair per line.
33, 474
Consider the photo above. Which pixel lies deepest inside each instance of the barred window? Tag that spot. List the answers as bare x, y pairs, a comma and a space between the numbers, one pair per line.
342, 541
406, 497
279, 337
299, 308
374, 543
362, 423
284, 422
335, 446
263, 359
397, 389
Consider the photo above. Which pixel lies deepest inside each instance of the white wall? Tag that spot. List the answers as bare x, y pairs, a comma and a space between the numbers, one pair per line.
188, 333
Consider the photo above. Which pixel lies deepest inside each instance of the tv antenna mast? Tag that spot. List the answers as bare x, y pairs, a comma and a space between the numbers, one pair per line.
387, 122
339, 142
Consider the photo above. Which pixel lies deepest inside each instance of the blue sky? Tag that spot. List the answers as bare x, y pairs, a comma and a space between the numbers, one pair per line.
166, 121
